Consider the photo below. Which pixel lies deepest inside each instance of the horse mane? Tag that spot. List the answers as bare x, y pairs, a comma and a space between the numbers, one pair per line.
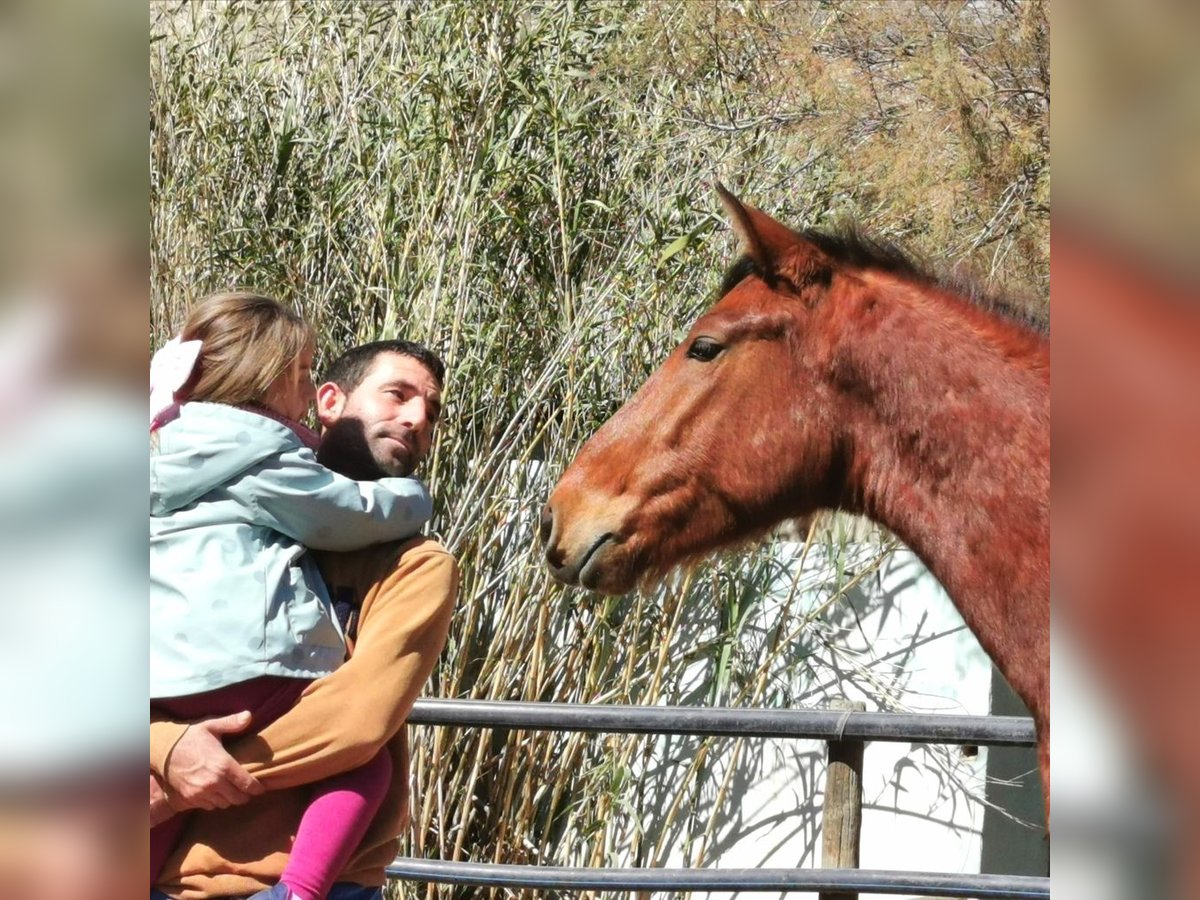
850, 247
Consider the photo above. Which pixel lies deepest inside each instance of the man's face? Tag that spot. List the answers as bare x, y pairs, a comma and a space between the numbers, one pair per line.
385, 425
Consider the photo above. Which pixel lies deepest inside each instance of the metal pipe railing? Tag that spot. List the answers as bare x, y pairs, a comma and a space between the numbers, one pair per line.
928, 884
816, 724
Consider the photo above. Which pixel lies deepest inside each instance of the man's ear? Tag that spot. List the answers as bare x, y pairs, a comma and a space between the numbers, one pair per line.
331, 401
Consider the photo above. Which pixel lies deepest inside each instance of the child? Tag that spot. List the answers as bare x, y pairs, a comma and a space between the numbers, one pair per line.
239, 616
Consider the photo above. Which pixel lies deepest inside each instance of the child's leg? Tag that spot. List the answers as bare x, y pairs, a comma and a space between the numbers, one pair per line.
163, 838
334, 824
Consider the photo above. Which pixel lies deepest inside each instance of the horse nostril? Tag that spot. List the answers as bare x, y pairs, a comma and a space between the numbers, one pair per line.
546, 526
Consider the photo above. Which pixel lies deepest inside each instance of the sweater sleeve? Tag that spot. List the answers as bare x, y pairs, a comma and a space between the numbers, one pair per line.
345, 718
297, 496
164, 736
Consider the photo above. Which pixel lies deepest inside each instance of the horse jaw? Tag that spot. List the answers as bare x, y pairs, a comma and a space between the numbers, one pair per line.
600, 542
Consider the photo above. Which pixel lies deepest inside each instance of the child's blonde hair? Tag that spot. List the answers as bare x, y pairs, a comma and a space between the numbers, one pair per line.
248, 341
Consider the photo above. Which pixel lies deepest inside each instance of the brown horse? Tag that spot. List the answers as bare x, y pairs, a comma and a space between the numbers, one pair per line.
833, 374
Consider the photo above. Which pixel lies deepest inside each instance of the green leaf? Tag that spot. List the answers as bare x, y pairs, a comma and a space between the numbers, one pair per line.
675, 247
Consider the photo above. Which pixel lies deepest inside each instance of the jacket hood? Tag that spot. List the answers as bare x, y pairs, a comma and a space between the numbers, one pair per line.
208, 445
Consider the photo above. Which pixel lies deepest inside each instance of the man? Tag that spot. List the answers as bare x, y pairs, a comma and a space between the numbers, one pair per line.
377, 410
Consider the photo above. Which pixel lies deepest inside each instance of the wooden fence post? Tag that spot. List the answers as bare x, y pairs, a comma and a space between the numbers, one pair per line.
842, 812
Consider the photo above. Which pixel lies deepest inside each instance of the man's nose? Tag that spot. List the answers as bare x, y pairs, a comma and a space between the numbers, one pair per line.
415, 413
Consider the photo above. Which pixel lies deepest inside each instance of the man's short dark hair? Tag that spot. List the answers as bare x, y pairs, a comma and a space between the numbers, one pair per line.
349, 369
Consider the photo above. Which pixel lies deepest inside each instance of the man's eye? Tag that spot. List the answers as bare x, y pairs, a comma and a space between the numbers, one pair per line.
704, 349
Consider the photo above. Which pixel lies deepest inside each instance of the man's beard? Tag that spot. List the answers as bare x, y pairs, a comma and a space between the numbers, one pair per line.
346, 450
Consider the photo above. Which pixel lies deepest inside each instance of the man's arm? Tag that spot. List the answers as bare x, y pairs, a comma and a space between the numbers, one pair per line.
345, 718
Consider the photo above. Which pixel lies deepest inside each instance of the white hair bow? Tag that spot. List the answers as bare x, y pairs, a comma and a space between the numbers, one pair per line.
170, 368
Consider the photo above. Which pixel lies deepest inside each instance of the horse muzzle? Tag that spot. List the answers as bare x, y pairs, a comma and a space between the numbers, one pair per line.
584, 552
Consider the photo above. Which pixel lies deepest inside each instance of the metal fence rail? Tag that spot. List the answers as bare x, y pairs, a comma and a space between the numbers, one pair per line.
838, 727
929, 884
817, 724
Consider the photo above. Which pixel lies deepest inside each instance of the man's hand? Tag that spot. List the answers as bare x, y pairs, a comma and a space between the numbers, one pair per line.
202, 775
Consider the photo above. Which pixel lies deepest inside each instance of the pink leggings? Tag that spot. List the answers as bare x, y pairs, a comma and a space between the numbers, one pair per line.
341, 807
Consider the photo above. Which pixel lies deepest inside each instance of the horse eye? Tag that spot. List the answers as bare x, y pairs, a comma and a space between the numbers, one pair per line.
704, 349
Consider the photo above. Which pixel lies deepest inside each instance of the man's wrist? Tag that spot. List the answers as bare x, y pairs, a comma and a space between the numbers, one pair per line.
166, 764
164, 736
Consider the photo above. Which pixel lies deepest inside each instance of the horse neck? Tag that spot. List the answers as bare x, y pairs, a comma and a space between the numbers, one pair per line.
948, 446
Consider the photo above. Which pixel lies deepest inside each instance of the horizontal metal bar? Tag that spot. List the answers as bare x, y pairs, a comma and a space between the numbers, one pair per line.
816, 724
928, 884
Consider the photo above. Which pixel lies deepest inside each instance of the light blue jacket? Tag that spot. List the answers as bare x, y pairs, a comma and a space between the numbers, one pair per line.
235, 502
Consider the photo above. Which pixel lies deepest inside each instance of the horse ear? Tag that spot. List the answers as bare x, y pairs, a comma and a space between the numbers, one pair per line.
774, 248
